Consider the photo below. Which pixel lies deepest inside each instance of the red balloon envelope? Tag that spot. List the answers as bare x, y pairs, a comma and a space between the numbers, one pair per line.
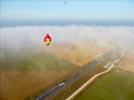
47, 39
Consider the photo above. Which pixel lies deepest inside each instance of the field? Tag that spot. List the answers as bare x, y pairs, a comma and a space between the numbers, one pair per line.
28, 74
116, 85
78, 54
127, 62
69, 90
28, 66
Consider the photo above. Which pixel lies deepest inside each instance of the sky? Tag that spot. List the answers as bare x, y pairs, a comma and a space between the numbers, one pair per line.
48, 10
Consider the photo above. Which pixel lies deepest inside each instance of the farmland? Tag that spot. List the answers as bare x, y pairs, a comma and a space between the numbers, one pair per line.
128, 62
77, 53
27, 74
116, 85
29, 67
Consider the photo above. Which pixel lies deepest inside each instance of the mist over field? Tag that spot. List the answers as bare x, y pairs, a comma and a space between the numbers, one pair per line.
31, 37
81, 39
23, 48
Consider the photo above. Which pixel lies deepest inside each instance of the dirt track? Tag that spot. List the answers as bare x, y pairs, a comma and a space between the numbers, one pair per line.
87, 83
93, 78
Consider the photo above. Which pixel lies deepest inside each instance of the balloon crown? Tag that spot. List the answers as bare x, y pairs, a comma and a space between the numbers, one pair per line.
47, 37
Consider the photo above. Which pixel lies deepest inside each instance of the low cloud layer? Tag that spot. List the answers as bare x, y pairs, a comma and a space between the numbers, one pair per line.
21, 38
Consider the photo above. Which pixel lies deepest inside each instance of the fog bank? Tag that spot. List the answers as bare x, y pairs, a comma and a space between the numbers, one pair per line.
15, 39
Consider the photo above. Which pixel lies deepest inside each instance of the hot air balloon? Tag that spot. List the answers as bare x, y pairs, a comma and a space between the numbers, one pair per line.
47, 39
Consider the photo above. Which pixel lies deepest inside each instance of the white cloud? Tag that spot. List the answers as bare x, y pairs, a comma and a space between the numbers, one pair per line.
18, 38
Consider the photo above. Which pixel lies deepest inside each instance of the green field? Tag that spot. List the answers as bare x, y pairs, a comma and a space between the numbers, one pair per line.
116, 85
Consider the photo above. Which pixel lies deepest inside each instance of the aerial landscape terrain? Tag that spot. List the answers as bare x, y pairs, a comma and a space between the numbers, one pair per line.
33, 66
66, 50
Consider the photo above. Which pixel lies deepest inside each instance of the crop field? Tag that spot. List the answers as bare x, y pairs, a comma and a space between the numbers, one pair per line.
28, 66
29, 71
78, 54
127, 62
27, 74
68, 91
116, 85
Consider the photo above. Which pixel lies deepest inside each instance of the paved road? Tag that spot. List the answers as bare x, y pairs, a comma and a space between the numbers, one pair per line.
109, 56
109, 67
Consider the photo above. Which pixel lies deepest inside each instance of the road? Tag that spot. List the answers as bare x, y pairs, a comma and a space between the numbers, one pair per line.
93, 78
77, 75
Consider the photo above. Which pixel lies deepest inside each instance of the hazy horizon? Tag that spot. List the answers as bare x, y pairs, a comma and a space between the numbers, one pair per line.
57, 12
66, 22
